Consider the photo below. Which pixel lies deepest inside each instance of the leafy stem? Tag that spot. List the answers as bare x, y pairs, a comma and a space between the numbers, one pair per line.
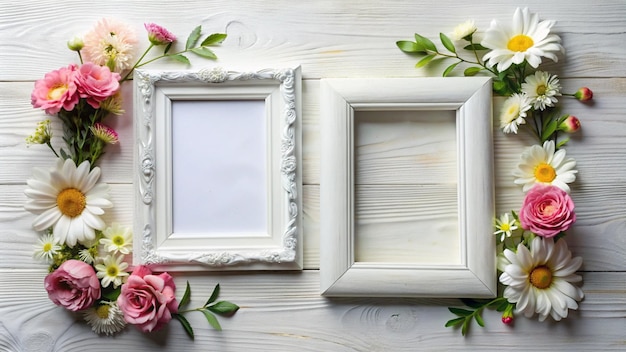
464, 317
209, 309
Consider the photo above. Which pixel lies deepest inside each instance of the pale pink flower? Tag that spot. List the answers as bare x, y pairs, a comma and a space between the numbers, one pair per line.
56, 90
74, 285
110, 43
148, 300
547, 210
159, 35
96, 83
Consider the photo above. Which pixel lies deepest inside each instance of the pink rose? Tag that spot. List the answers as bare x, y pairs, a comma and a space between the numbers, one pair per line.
96, 83
56, 90
547, 210
73, 285
148, 300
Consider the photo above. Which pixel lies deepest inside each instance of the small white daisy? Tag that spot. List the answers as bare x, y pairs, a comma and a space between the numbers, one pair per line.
543, 165
513, 112
540, 280
86, 255
523, 39
542, 88
105, 318
111, 270
46, 248
505, 226
117, 239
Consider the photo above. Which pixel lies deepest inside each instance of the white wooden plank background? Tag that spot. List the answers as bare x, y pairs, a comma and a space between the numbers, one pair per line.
349, 38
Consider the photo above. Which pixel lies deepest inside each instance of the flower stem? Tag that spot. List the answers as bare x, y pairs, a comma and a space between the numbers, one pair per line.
137, 64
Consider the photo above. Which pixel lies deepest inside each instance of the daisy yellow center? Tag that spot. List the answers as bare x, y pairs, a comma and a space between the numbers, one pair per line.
541, 89
505, 227
541, 277
520, 42
112, 271
47, 247
102, 311
71, 202
118, 241
56, 92
545, 173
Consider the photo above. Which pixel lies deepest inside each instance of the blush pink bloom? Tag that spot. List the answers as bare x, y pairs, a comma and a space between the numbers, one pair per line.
74, 285
148, 300
159, 35
570, 125
56, 90
547, 210
96, 83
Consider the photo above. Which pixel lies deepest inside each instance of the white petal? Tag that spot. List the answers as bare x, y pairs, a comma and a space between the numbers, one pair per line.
93, 221
61, 229
47, 219
80, 176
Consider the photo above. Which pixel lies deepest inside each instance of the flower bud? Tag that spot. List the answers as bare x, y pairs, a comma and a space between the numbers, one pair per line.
570, 125
75, 44
584, 94
507, 315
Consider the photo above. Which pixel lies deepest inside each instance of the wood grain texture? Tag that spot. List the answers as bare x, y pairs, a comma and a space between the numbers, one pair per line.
348, 38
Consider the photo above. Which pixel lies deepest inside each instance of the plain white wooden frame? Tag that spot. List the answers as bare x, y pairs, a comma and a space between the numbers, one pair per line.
470, 98
154, 242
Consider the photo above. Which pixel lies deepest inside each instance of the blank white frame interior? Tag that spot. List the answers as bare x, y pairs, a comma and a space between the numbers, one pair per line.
469, 98
218, 179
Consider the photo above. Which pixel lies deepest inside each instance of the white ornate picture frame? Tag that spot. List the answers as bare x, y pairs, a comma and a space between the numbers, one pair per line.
261, 112
467, 103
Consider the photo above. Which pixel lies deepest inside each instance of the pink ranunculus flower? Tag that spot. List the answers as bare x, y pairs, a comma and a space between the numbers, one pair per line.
148, 300
158, 35
96, 83
547, 210
74, 285
56, 90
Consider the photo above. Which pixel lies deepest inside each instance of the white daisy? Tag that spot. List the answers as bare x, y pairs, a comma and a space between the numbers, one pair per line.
69, 200
524, 38
540, 280
544, 165
463, 30
105, 318
47, 247
87, 255
505, 226
112, 270
513, 112
117, 239
542, 88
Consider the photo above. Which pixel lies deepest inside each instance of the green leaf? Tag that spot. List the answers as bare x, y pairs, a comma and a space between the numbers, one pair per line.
185, 323
204, 52
548, 131
186, 296
167, 48
212, 319
479, 319
180, 57
449, 69
465, 326
475, 47
193, 38
473, 303
224, 308
424, 61
460, 312
454, 322
562, 143
214, 295
112, 294
214, 38
425, 43
471, 71
447, 42
410, 47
